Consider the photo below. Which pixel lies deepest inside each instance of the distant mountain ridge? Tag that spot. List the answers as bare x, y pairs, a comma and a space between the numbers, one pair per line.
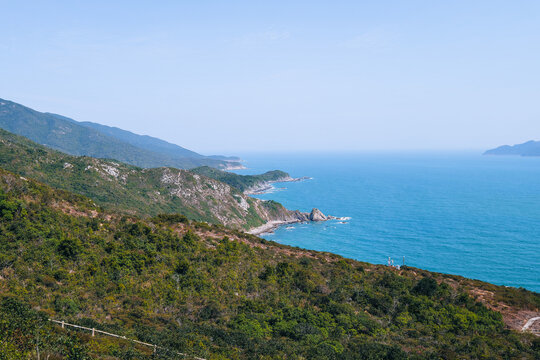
143, 141
101, 141
529, 148
225, 158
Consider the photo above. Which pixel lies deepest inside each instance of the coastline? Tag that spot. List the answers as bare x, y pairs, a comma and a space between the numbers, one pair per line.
271, 226
266, 187
314, 216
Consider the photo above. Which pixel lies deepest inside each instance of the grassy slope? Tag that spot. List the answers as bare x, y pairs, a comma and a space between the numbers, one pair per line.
241, 182
131, 189
218, 293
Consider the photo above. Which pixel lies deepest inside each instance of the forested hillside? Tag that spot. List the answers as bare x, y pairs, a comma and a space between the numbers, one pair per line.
217, 293
144, 141
90, 139
242, 182
133, 190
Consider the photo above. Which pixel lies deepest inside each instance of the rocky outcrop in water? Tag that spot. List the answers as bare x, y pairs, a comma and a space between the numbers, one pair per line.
317, 215
283, 216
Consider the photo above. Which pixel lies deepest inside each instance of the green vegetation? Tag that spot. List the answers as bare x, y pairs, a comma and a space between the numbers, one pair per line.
133, 190
125, 261
99, 141
25, 333
218, 293
241, 182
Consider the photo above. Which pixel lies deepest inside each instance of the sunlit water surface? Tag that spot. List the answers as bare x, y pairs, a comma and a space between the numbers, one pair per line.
460, 213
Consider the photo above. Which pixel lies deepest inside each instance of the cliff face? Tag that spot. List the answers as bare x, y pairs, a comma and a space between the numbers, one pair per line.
138, 191
273, 211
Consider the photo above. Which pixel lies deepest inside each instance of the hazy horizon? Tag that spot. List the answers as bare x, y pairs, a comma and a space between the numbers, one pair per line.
285, 76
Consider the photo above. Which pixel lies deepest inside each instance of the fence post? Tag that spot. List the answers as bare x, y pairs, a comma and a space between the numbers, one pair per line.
64, 324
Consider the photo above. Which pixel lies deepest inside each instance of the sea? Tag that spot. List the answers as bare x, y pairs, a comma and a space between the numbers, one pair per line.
458, 213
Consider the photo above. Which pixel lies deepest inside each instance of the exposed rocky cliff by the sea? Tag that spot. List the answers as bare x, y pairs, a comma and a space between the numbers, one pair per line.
138, 191
290, 217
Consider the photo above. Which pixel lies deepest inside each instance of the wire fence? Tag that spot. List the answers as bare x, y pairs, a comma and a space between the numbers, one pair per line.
95, 331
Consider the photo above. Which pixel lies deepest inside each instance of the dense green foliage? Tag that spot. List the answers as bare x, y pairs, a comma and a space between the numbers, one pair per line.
144, 142
219, 293
241, 182
26, 333
91, 139
134, 190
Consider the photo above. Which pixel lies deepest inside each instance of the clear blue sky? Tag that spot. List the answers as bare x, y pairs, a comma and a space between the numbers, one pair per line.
233, 76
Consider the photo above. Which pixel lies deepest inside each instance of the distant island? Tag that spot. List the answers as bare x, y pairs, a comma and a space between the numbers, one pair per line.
529, 148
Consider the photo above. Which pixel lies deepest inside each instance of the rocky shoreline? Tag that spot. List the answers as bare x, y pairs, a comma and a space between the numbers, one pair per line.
291, 216
270, 226
296, 217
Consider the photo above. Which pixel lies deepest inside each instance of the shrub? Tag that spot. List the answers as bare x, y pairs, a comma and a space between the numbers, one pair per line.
426, 286
69, 248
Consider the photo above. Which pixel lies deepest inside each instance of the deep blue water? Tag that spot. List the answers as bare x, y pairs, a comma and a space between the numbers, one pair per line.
460, 213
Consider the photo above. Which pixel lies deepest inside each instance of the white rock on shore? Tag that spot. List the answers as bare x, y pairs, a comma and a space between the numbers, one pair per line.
270, 226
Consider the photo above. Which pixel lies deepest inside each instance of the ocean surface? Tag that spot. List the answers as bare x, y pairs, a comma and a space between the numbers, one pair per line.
459, 213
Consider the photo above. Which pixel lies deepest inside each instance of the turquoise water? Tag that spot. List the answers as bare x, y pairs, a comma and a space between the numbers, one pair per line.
460, 213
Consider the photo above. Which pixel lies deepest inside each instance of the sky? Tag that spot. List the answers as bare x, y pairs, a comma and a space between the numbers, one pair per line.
238, 76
